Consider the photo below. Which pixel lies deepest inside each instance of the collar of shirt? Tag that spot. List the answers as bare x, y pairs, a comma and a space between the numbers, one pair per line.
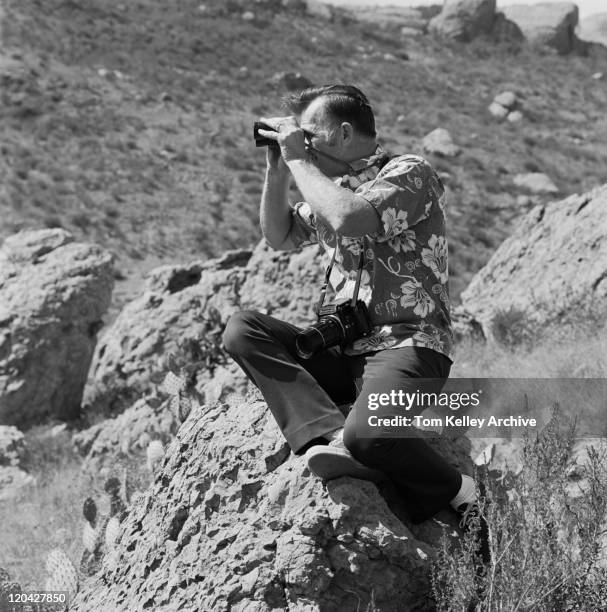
363, 170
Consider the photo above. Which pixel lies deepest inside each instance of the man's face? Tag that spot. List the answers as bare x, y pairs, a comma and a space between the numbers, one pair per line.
325, 138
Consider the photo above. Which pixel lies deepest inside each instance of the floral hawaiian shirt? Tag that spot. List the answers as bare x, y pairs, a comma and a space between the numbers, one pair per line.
405, 276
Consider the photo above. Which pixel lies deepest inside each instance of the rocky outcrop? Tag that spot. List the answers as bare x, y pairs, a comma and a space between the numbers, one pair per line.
53, 295
234, 522
183, 311
549, 23
550, 275
594, 28
128, 434
464, 20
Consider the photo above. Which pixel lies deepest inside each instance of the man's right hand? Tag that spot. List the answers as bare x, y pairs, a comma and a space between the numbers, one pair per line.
275, 163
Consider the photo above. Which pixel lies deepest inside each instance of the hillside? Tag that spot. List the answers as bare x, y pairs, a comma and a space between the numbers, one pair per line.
129, 124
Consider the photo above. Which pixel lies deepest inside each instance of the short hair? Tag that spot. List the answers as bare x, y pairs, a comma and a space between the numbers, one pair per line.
343, 103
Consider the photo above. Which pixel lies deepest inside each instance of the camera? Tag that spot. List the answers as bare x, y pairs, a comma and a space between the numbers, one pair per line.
339, 323
262, 141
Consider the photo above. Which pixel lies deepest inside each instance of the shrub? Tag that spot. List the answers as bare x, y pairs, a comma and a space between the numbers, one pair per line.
511, 328
545, 543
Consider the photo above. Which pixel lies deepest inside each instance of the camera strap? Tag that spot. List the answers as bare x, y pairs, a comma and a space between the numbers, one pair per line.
323, 290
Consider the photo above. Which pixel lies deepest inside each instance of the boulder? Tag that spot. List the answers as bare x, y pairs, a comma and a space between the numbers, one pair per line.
505, 31
535, 182
594, 28
464, 20
550, 275
233, 521
548, 23
183, 311
128, 434
53, 295
439, 142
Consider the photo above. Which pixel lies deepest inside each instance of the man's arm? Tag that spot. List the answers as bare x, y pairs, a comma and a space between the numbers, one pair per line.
339, 208
343, 211
275, 216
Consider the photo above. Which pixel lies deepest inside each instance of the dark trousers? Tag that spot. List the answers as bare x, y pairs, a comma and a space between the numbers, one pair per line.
303, 395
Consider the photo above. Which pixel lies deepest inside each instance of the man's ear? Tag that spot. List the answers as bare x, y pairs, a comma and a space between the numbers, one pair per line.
347, 133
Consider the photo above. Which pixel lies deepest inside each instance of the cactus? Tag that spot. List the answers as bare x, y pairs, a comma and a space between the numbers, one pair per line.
155, 453
172, 384
89, 510
62, 575
7, 586
112, 533
113, 488
89, 537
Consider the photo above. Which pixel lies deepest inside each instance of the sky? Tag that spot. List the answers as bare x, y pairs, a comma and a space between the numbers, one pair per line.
586, 7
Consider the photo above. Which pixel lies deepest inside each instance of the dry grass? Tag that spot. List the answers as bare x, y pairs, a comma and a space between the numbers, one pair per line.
575, 355
548, 540
49, 514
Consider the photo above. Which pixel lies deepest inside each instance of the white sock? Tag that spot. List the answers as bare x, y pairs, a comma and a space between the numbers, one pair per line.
336, 434
467, 493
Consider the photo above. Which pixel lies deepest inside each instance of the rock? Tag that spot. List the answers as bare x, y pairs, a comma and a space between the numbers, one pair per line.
536, 183
53, 294
547, 23
232, 519
464, 20
407, 32
291, 81
391, 17
507, 99
12, 445
439, 142
12, 481
12, 451
128, 434
515, 116
505, 31
503, 104
498, 111
559, 249
594, 28
465, 326
248, 16
183, 311
317, 8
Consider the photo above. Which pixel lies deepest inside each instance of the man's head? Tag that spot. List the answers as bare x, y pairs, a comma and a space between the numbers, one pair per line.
340, 122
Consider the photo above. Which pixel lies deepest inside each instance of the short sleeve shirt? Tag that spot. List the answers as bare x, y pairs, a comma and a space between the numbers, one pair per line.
404, 281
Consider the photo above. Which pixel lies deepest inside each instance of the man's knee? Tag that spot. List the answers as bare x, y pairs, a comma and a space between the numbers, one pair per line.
236, 335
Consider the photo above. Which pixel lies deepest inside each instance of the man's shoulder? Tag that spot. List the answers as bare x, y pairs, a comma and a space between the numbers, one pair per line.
405, 164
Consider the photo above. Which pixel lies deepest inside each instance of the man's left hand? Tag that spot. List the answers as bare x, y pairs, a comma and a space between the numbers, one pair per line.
288, 135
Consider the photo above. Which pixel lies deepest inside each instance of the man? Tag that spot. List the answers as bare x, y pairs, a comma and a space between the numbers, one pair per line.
356, 199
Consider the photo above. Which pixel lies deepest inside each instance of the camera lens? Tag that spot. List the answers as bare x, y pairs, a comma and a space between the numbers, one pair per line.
326, 333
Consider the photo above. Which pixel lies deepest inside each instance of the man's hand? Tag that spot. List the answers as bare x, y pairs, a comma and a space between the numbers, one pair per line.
288, 135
